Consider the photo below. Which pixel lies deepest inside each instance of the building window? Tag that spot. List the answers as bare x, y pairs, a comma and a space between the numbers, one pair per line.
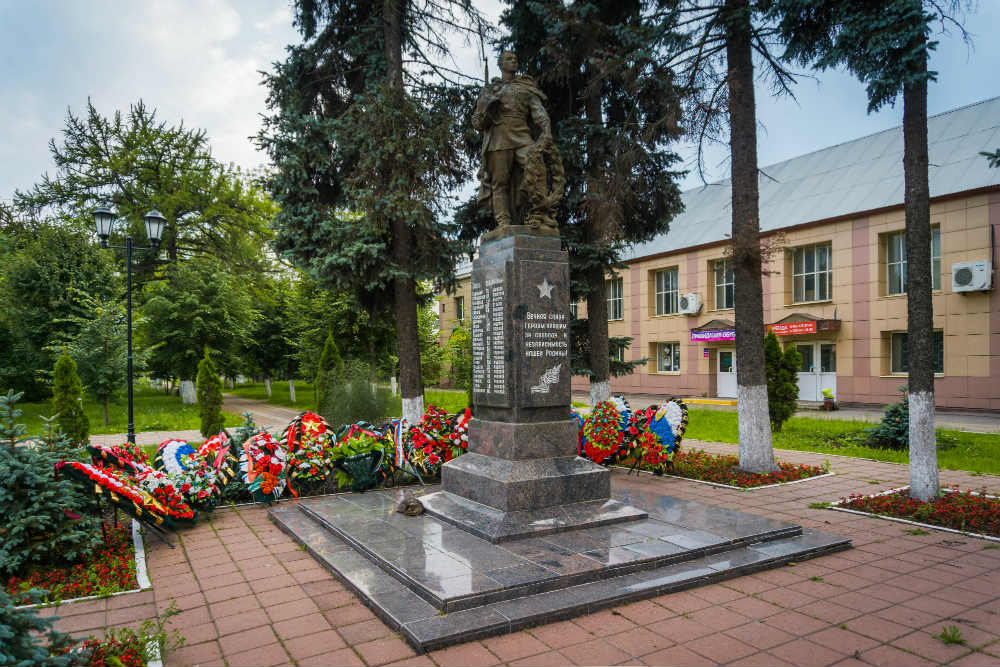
812, 273
619, 354
666, 292
723, 284
460, 307
616, 309
574, 310
895, 261
899, 355
668, 357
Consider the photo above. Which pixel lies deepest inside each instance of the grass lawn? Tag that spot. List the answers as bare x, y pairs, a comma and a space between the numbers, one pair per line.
154, 411
957, 450
448, 400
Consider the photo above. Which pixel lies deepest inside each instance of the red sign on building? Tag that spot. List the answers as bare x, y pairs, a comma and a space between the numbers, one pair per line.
790, 328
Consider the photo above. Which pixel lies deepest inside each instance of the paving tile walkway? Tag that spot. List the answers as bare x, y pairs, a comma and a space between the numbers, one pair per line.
250, 596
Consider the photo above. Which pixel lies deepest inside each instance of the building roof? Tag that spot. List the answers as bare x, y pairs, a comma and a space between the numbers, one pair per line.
855, 176
860, 175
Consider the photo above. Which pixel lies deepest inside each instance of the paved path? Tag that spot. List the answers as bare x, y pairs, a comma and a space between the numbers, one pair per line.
959, 420
250, 596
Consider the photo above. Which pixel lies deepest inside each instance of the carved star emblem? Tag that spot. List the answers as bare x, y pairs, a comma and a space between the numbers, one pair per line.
545, 289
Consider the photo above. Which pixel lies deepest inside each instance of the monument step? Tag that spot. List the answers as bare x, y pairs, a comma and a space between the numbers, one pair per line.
440, 585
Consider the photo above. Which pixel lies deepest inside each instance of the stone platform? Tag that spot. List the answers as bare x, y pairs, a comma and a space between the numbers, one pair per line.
439, 585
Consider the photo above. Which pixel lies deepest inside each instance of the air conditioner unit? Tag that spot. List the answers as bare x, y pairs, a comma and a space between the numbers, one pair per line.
690, 304
971, 276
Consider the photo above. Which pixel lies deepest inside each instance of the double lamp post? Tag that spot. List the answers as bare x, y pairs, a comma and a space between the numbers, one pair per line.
104, 221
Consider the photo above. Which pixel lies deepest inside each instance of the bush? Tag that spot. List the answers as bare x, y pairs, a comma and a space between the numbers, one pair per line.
329, 372
67, 400
209, 396
893, 432
45, 519
460, 356
28, 639
349, 397
782, 382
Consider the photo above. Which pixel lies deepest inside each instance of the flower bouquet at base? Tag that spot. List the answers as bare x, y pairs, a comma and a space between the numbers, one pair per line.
121, 457
264, 464
163, 506
192, 474
602, 435
437, 439
358, 458
309, 444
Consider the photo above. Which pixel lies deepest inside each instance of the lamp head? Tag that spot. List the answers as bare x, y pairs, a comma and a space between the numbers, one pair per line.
154, 226
104, 222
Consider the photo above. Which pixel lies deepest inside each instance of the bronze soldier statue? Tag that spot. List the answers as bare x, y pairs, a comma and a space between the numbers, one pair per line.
521, 170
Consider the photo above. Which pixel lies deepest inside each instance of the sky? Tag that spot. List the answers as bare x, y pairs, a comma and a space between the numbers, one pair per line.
200, 62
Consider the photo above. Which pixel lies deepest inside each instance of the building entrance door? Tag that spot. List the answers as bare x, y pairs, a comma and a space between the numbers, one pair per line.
727, 373
818, 371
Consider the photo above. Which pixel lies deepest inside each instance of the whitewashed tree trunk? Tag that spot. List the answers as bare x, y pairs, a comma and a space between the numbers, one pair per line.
393, 386
291, 390
188, 395
267, 386
756, 452
599, 391
413, 409
923, 447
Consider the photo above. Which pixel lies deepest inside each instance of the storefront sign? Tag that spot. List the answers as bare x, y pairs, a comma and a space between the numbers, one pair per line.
792, 328
713, 335
706, 352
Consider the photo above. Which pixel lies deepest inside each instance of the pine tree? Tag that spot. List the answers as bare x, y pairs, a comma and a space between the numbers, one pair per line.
782, 382
329, 372
209, 396
67, 400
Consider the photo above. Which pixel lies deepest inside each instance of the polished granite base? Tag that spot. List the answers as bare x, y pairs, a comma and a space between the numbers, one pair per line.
438, 584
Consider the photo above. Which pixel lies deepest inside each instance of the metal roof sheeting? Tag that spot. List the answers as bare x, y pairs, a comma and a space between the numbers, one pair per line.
859, 175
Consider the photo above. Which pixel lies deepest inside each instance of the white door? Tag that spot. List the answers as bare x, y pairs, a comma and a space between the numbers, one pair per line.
727, 374
818, 371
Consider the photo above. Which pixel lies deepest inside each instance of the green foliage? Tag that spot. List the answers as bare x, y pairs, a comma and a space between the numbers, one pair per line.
67, 400
431, 355
349, 397
894, 430
198, 304
950, 634
459, 355
43, 272
993, 158
100, 349
209, 396
329, 372
272, 347
579, 351
141, 162
34, 504
781, 369
29, 639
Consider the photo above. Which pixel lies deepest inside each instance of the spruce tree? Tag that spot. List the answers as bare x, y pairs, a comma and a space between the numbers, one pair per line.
781, 369
329, 372
67, 400
209, 396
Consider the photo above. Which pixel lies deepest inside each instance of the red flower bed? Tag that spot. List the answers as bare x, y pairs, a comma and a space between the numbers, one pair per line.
108, 570
722, 469
961, 510
110, 652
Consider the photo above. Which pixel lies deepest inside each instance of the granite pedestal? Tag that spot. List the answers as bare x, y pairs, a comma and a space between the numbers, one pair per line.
522, 476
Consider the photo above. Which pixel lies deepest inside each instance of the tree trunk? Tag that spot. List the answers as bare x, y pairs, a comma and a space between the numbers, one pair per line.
107, 421
597, 298
188, 395
291, 390
920, 315
372, 361
404, 286
756, 451
267, 385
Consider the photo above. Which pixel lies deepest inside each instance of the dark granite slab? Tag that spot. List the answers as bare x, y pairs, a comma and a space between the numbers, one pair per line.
439, 585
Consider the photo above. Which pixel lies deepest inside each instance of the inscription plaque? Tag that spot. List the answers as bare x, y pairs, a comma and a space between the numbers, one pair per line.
489, 366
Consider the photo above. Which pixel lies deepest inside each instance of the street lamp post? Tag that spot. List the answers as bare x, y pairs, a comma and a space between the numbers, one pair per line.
104, 221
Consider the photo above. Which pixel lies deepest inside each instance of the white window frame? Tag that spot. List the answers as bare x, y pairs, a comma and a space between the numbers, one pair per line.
936, 258
459, 308
822, 278
895, 257
667, 292
614, 289
574, 310
668, 357
723, 268
619, 354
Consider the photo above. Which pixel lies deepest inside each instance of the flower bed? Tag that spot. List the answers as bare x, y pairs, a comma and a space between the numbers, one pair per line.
108, 570
722, 469
964, 511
